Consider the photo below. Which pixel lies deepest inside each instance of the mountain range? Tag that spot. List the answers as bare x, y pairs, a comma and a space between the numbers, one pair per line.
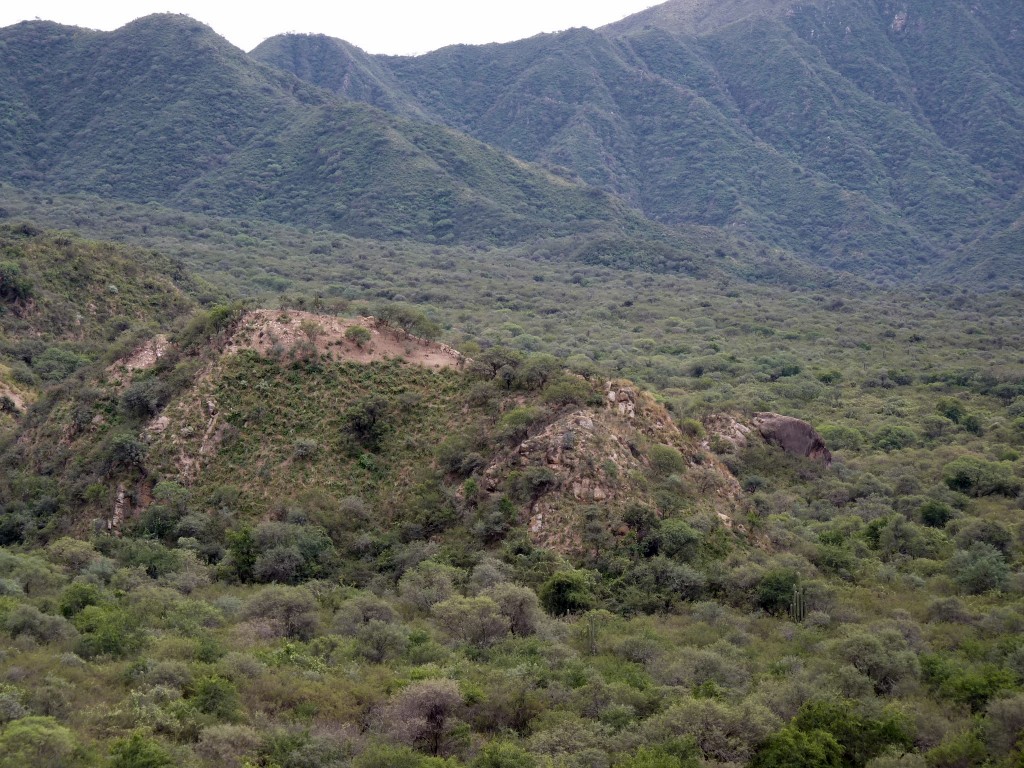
874, 137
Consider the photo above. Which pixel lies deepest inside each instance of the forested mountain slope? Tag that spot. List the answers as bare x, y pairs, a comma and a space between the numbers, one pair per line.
871, 136
164, 110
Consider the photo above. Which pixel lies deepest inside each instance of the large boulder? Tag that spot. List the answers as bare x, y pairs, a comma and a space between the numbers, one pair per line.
793, 436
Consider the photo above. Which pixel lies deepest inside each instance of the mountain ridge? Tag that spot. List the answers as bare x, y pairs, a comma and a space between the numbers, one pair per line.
226, 134
837, 128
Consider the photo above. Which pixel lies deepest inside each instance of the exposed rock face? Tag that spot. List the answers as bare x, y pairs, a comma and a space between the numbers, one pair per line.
593, 459
793, 436
621, 399
588, 455
727, 428
142, 358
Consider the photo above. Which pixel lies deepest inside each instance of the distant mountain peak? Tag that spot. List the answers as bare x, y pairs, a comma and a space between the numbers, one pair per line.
697, 16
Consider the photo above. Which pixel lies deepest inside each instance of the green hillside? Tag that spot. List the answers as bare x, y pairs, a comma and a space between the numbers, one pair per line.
163, 110
864, 141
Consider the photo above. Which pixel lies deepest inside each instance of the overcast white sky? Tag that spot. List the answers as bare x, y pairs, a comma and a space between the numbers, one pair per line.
378, 26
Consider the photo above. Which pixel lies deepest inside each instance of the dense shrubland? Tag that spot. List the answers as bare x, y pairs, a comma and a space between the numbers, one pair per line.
339, 589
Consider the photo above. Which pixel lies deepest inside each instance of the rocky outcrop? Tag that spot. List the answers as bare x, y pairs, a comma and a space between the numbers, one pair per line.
585, 456
144, 357
593, 461
728, 429
792, 435
621, 399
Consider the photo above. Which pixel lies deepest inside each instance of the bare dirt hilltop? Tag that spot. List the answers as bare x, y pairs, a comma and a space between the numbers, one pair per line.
277, 332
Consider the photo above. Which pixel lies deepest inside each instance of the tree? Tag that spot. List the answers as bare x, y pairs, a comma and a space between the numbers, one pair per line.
377, 641
679, 540
665, 460
499, 360
125, 452
881, 655
537, 369
935, 514
568, 592
504, 754
952, 408
519, 605
425, 715
14, 286
217, 696
109, 631
981, 568
366, 420
292, 611
775, 592
977, 477
427, 584
860, 735
242, 553
662, 757
476, 621
988, 531
412, 320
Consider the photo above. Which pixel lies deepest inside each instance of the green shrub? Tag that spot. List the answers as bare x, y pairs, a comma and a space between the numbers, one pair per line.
894, 438
39, 742
125, 452
839, 438
951, 408
428, 583
206, 325
794, 748
289, 611
139, 751
77, 596
216, 696
57, 364
29, 620
678, 539
144, 399
366, 421
862, 735
108, 631
14, 285
475, 621
358, 335
378, 641
530, 483
881, 655
981, 568
665, 460
935, 514
775, 591
503, 754
514, 424
568, 390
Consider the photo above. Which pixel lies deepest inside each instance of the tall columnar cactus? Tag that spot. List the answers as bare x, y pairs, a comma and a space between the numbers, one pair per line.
798, 605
